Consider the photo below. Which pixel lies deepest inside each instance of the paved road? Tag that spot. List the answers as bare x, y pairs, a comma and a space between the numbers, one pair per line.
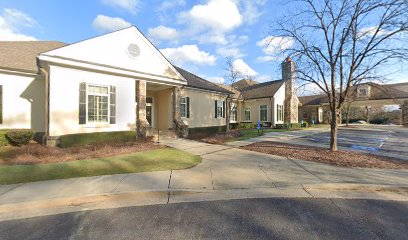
383, 140
233, 219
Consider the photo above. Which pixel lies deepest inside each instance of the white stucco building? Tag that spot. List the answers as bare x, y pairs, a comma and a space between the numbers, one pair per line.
116, 82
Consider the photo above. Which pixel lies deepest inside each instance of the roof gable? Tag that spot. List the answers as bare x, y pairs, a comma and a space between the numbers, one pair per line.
125, 49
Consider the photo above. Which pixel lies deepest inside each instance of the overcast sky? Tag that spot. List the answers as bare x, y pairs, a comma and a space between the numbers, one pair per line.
196, 35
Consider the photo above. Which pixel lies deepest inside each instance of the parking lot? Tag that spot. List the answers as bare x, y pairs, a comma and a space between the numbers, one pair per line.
381, 140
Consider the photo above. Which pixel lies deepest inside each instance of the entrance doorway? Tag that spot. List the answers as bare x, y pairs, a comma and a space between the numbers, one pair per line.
149, 110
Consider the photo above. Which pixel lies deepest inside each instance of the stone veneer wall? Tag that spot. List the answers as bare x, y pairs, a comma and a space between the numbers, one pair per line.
291, 101
405, 114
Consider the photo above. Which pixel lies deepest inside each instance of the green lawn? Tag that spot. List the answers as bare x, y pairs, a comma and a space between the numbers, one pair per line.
251, 133
155, 160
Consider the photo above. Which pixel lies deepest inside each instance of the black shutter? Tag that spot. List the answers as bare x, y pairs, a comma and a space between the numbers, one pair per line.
223, 109
1, 104
188, 106
82, 103
112, 105
216, 108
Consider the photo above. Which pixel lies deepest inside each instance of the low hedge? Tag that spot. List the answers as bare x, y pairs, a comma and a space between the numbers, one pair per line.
90, 138
234, 125
3, 139
207, 130
19, 137
247, 125
289, 126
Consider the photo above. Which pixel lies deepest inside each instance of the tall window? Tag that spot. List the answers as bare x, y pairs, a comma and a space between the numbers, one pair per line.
263, 113
279, 113
234, 115
247, 114
183, 107
98, 104
220, 109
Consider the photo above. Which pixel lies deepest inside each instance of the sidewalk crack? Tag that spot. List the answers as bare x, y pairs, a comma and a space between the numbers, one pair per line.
212, 179
168, 187
266, 175
11, 189
304, 189
305, 169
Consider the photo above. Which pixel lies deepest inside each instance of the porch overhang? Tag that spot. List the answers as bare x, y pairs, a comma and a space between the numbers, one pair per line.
112, 70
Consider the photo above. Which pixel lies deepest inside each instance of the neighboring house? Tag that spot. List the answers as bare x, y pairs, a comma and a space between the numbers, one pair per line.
368, 101
269, 103
115, 82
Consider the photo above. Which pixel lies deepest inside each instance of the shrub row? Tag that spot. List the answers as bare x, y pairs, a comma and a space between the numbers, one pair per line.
92, 138
247, 125
292, 125
16, 137
206, 130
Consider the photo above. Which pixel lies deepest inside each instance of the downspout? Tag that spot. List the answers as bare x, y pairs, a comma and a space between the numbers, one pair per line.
46, 105
272, 112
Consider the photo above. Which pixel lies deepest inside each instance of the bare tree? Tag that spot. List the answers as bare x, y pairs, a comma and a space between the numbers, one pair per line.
338, 44
232, 75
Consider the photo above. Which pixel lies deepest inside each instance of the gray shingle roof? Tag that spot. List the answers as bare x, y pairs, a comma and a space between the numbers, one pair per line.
261, 90
313, 99
22, 55
244, 83
198, 82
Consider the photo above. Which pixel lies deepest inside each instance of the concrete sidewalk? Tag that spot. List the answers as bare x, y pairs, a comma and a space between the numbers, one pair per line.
225, 173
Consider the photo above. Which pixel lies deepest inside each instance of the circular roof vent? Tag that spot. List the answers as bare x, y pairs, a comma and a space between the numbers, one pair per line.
133, 50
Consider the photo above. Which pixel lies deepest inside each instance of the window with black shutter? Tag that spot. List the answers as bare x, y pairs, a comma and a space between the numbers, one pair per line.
188, 107
82, 103
112, 105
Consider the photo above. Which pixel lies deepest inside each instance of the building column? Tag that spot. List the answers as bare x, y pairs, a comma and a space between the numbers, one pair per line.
176, 106
141, 122
179, 126
404, 109
291, 103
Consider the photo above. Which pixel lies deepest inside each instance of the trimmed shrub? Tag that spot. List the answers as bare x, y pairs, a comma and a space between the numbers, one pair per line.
234, 125
3, 139
288, 126
247, 125
19, 137
92, 138
206, 130
305, 125
379, 121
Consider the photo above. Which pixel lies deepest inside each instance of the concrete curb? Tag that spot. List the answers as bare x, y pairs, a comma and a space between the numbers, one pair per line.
127, 199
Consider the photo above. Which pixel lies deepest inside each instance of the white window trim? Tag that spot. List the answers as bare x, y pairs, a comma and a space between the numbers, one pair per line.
236, 115
222, 108
277, 113
267, 113
91, 123
245, 110
185, 105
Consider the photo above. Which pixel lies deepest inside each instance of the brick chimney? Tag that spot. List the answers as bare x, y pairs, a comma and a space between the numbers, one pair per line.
291, 100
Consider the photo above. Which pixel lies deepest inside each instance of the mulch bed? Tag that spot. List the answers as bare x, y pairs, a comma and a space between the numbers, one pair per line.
218, 138
34, 153
322, 155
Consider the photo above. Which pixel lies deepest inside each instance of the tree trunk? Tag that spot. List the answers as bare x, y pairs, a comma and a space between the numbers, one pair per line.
348, 115
228, 115
333, 130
